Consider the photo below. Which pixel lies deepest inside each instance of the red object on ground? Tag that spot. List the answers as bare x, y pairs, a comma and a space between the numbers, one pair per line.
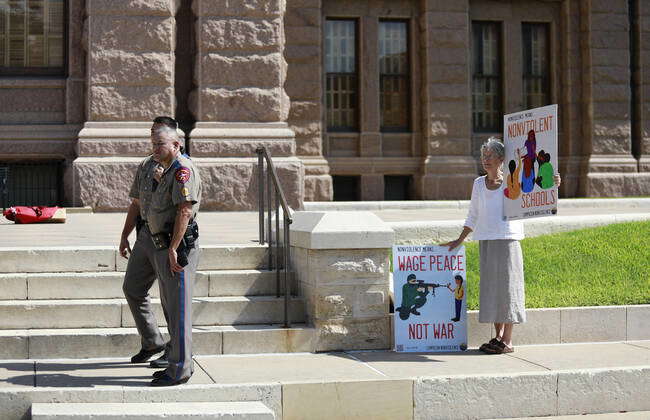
24, 214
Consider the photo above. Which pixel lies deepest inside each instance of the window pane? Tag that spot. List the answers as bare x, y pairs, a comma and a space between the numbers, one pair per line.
536, 65
486, 76
32, 34
394, 75
4, 15
341, 80
17, 33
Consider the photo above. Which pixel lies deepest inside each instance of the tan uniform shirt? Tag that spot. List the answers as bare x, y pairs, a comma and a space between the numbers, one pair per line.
142, 187
179, 183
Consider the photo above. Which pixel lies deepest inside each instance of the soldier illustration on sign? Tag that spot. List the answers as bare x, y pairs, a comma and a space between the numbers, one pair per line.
414, 296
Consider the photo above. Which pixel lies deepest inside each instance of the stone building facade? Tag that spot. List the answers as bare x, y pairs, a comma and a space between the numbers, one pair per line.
354, 99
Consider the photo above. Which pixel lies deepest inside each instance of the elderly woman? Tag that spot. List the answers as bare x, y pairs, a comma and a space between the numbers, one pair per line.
502, 300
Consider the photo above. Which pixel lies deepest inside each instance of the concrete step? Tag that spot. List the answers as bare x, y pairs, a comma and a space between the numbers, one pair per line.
124, 342
114, 313
102, 258
250, 410
633, 415
108, 284
550, 380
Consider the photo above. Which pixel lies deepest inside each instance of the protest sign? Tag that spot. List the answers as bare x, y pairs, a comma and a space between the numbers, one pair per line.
430, 299
530, 138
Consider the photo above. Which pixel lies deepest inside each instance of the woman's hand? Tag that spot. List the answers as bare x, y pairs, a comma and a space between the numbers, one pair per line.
453, 244
557, 180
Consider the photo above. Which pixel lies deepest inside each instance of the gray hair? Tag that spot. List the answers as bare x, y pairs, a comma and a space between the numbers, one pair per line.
166, 132
494, 145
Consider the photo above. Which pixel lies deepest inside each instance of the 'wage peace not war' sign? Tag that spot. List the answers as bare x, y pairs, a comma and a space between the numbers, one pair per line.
430, 308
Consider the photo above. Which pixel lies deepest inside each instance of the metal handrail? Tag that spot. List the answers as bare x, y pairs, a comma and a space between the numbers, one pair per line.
264, 237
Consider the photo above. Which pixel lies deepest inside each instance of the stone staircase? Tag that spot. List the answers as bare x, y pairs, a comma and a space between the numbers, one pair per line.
67, 302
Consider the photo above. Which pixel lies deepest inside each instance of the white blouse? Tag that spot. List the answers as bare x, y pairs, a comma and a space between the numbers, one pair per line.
485, 215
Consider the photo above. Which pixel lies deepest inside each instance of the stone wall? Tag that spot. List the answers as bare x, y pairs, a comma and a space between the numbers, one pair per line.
304, 85
644, 90
449, 167
240, 102
570, 148
130, 59
612, 170
130, 54
340, 260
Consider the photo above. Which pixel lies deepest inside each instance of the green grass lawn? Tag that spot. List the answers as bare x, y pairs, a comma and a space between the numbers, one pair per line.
609, 265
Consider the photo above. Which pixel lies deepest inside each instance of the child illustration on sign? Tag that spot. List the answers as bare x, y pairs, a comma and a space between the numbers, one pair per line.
459, 292
513, 191
528, 179
545, 170
414, 296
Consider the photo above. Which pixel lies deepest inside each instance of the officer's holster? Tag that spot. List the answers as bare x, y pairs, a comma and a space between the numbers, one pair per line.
163, 239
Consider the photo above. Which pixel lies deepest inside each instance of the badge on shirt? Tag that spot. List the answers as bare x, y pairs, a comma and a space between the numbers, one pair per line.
182, 174
185, 191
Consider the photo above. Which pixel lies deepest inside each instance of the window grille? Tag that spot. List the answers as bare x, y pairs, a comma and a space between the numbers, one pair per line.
32, 36
394, 75
536, 64
33, 184
486, 77
342, 87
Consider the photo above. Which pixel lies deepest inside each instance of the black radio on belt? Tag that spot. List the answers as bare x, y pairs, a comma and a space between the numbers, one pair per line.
162, 240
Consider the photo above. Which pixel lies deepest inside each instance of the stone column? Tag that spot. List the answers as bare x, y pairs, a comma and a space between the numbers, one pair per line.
611, 169
449, 167
569, 74
340, 260
130, 80
304, 85
240, 102
643, 100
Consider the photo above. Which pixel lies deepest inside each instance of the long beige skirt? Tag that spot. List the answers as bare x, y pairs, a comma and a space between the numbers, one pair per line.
502, 297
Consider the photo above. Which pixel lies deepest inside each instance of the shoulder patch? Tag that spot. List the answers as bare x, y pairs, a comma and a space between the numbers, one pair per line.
182, 174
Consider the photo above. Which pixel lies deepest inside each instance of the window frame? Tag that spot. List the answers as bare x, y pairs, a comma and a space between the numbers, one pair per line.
409, 79
357, 62
45, 71
500, 77
546, 80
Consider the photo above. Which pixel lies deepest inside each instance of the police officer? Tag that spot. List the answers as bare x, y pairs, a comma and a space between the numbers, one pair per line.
140, 273
169, 240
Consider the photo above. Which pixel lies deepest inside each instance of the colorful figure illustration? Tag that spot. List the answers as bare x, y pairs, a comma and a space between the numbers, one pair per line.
513, 191
545, 170
528, 179
414, 296
459, 292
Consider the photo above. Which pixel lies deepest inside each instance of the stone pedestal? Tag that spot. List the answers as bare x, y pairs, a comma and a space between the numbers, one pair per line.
340, 260
240, 102
448, 171
130, 65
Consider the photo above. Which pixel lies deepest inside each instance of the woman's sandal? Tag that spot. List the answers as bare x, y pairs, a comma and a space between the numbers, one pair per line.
499, 348
492, 342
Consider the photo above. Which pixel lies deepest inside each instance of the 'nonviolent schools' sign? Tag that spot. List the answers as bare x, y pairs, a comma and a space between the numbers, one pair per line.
530, 138
430, 299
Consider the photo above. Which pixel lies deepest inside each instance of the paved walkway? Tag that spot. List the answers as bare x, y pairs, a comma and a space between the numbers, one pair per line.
221, 228
328, 367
